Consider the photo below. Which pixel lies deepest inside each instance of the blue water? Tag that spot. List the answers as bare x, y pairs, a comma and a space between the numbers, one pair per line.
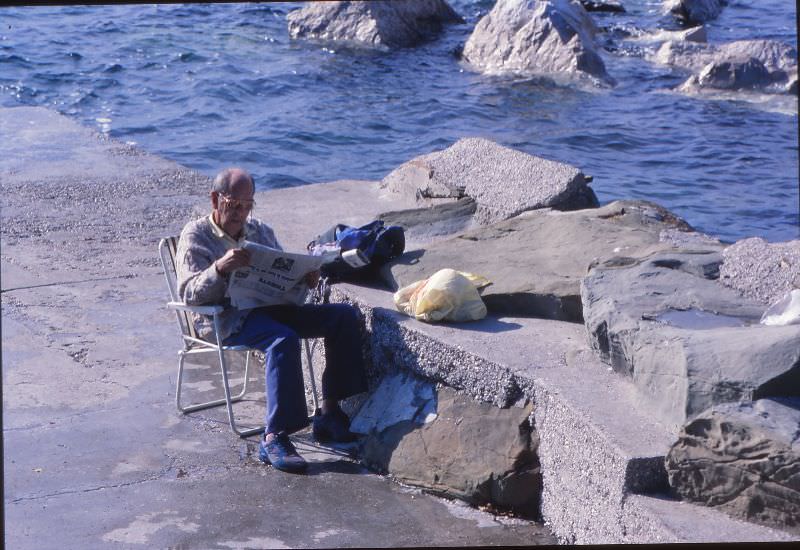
212, 85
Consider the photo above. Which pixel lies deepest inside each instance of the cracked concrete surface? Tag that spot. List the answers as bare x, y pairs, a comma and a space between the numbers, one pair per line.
96, 456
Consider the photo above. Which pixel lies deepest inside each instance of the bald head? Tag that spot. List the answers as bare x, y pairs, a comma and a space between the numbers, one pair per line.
232, 200
231, 178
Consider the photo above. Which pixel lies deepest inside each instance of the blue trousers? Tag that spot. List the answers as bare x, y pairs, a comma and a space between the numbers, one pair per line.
277, 331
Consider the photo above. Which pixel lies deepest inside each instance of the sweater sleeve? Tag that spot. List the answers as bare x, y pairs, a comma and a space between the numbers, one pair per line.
198, 280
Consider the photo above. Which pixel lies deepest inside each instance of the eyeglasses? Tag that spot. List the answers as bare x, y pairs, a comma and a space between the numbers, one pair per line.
236, 204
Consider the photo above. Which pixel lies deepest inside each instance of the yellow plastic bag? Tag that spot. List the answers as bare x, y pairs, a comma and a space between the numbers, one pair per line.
448, 295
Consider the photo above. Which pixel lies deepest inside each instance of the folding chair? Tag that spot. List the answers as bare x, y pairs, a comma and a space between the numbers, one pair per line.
194, 345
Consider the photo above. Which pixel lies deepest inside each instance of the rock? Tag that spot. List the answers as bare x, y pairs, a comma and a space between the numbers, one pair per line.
695, 11
763, 65
427, 223
785, 311
609, 6
728, 75
530, 37
676, 46
686, 55
381, 24
760, 270
688, 239
459, 448
537, 260
791, 85
778, 58
695, 34
502, 181
743, 458
685, 340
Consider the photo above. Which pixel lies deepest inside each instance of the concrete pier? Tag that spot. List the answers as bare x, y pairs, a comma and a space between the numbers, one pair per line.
92, 436
96, 455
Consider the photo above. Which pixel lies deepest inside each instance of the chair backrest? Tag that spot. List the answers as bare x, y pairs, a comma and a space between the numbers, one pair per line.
167, 249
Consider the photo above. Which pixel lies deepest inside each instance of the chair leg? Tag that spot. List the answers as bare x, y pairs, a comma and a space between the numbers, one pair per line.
310, 363
197, 406
227, 400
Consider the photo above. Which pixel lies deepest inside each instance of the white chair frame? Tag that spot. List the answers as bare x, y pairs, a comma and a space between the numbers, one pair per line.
194, 345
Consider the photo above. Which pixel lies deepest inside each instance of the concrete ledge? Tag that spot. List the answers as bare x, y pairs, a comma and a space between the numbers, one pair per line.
599, 453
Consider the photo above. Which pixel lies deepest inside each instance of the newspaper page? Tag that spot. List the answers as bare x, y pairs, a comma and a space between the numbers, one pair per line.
273, 277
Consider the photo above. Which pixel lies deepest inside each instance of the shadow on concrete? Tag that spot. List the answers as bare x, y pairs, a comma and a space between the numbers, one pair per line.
487, 324
339, 467
407, 258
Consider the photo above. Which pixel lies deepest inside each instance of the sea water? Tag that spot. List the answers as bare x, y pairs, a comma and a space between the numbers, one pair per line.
215, 85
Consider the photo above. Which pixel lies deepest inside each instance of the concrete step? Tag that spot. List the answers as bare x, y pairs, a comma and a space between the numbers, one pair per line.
600, 453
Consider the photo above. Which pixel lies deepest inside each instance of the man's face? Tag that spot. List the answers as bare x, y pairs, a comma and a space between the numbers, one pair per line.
231, 209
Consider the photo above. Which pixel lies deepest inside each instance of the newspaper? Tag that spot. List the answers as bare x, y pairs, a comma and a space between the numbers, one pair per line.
273, 277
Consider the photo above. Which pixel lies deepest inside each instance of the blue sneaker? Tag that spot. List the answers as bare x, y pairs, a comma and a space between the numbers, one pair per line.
332, 427
280, 452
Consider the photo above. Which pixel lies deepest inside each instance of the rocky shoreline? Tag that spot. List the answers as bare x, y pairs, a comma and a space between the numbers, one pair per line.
558, 39
647, 289
535, 408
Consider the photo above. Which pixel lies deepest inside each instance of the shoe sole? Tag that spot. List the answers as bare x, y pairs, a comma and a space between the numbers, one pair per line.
264, 457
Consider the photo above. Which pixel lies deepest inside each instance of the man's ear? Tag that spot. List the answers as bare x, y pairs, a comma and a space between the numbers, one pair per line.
215, 200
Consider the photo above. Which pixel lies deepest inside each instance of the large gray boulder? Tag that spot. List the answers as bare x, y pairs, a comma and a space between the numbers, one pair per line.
503, 182
537, 260
381, 24
451, 445
686, 341
695, 11
536, 37
760, 270
746, 74
764, 65
775, 56
743, 458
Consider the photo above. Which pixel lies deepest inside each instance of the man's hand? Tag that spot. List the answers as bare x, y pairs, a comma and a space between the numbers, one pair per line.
232, 260
312, 278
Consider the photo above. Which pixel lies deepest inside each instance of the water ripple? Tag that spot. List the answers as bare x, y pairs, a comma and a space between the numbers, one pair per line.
210, 85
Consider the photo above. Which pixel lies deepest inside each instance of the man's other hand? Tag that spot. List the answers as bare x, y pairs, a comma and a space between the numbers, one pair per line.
233, 260
312, 278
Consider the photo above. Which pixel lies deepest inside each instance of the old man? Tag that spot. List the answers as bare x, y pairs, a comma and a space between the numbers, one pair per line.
209, 250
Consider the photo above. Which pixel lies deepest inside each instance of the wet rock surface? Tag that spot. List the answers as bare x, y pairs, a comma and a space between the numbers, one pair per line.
686, 341
695, 11
743, 458
445, 442
760, 270
379, 24
610, 6
559, 249
749, 74
763, 65
502, 181
694, 55
553, 37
